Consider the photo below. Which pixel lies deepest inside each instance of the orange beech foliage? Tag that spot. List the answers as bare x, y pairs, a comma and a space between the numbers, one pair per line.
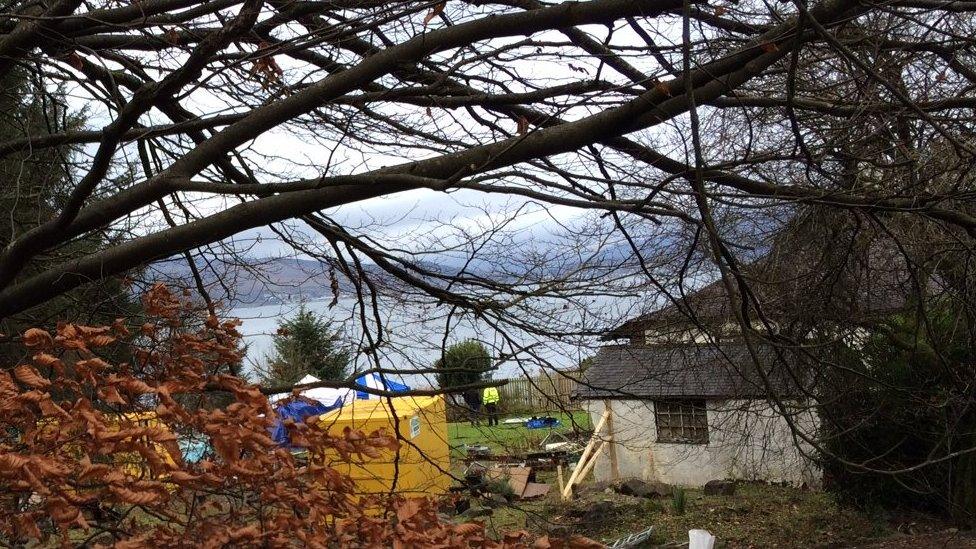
88, 452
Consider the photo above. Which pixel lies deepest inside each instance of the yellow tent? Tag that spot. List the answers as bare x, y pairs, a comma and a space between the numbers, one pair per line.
155, 464
167, 452
420, 467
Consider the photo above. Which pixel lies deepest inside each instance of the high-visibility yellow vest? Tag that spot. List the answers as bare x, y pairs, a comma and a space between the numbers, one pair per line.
490, 395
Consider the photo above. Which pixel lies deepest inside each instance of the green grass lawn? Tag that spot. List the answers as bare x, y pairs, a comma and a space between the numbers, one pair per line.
513, 438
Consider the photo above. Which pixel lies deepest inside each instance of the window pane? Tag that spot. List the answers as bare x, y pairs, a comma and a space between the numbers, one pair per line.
681, 421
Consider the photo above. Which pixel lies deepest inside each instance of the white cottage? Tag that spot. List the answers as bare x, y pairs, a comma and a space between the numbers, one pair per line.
690, 403
688, 413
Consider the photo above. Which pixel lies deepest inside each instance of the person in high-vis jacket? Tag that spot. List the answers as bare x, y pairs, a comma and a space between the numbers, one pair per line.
490, 399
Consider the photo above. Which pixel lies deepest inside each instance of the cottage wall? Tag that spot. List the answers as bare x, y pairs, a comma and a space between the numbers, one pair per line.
747, 440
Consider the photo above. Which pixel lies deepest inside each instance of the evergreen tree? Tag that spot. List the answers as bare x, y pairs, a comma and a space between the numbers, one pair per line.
35, 185
463, 363
306, 344
905, 364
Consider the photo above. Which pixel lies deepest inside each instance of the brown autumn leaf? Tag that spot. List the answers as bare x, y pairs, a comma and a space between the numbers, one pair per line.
408, 509
136, 386
580, 542
663, 87
75, 61
120, 328
111, 395
10, 461
720, 10
523, 125
542, 543
27, 375
183, 476
49, 408
434, 12
65, 514
467, 529
25, 524
138, 542
45, 360
89, 331
38, 338
101, 340
770, 47
93, 364
134, 497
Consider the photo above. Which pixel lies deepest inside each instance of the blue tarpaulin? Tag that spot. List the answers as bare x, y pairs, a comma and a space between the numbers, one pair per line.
377, 381
321, 400
298, 410
542, 422
193, 449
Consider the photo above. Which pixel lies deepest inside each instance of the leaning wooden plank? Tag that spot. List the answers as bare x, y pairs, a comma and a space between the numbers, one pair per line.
589, 465
589, 446
582, 470
580, 466
595, 438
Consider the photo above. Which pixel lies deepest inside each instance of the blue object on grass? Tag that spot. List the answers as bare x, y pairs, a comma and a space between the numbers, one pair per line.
298, 410
193, 449
542, 423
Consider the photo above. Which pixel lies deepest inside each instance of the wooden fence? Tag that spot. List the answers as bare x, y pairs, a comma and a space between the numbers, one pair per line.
549, 392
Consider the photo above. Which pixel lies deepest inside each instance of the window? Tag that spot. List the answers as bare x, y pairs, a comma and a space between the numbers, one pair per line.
681, 421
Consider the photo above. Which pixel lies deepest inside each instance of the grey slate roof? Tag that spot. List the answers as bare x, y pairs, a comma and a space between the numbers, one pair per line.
684, 371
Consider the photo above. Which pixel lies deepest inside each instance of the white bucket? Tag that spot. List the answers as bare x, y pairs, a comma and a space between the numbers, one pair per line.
700, 539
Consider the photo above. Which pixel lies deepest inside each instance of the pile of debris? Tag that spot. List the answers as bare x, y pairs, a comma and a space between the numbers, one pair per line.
638, 488
633, 487
487, 487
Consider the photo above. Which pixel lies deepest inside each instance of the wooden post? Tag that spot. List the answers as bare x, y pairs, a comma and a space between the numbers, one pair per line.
612, 448
559, 477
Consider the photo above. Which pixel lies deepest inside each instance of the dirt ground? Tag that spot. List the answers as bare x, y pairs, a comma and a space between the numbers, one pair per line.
757, 515
947, 540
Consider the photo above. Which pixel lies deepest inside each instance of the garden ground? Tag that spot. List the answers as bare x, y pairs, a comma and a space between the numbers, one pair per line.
757, 515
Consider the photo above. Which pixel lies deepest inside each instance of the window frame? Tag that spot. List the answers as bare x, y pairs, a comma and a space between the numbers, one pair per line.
681, 421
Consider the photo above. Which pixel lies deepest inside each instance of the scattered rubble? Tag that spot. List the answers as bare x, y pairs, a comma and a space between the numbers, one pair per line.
719, 488
598, 511
638, 488
521, 481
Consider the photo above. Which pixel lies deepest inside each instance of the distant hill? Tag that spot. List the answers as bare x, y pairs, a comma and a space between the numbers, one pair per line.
263, 282
286, 280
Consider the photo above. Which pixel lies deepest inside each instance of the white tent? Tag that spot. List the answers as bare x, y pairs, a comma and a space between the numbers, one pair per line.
325, 395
